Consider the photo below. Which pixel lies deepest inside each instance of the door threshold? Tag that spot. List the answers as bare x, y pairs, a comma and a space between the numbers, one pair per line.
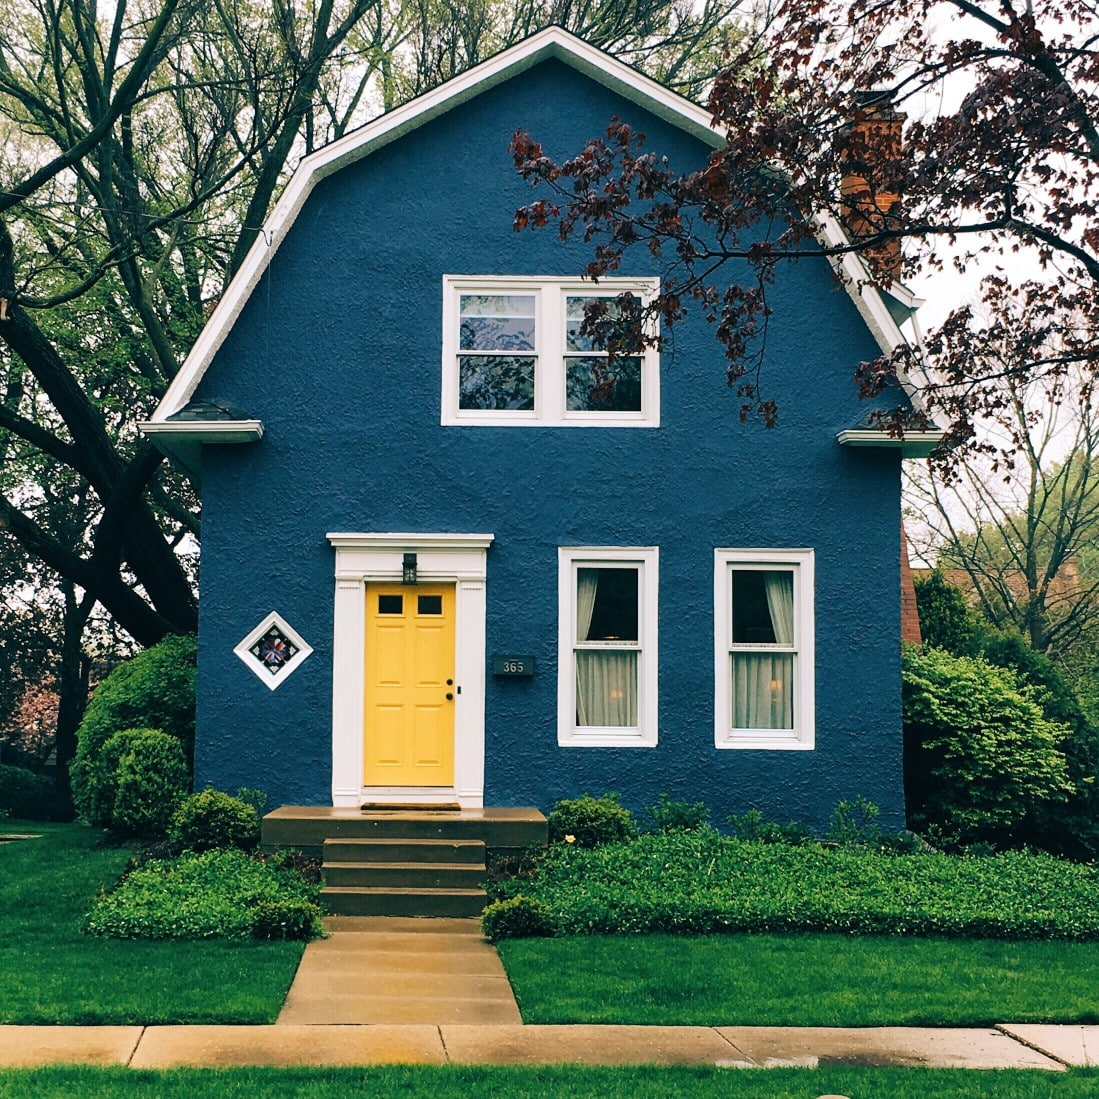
404, 806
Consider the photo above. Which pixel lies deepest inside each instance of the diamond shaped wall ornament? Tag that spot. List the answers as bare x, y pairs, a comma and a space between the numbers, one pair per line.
273, 650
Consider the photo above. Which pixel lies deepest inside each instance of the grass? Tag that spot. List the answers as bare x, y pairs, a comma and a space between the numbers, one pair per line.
51, 972
456, 1082
801, 980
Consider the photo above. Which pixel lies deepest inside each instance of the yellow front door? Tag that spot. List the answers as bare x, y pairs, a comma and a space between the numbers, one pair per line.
409, 685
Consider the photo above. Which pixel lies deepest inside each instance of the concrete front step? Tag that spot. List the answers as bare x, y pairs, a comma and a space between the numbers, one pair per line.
418, 875
307, 828
404, 851
365, 901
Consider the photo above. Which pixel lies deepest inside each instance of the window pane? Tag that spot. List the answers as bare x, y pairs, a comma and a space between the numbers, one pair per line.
575, 308
763, 607
497, 322
606, 688
606, 604
763, 690
429, 604
390, 604
496, 381
598, 385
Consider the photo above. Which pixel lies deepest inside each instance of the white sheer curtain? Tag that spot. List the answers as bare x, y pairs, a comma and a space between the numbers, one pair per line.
763, 683
606, 679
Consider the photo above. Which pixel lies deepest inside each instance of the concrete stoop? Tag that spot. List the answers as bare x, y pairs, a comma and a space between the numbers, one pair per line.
403, 862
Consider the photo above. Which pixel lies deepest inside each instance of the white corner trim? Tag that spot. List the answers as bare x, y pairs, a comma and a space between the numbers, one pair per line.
277, 678
461, 559
803, 736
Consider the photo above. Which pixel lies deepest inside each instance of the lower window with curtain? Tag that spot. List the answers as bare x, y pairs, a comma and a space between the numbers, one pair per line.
607, 652
763, 647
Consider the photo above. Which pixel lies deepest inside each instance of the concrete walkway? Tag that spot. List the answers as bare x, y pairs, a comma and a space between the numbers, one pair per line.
284, 1045
383, 969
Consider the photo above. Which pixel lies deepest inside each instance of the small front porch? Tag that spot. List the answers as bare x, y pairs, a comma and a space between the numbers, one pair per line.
403, 862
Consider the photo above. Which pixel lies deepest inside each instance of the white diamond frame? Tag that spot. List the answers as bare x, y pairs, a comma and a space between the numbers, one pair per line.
291, 666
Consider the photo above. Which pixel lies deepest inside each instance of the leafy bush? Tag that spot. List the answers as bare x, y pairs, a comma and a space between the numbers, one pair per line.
24, 794
286, 919
517, 917
702, 882
981, 758
751, 827
151, 780
590, 821
200, 896
211, 818
946, 622
855, 822
154, 690
679, 816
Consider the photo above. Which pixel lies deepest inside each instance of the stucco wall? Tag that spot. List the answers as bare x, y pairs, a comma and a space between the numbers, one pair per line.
338, 352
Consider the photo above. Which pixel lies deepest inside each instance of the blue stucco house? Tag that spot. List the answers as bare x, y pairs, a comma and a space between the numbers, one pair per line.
450, 557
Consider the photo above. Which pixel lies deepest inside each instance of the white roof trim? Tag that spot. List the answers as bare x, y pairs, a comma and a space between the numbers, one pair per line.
912, 444
206, 431
553, 42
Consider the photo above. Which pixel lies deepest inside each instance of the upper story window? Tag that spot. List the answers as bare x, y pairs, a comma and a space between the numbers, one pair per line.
514, 353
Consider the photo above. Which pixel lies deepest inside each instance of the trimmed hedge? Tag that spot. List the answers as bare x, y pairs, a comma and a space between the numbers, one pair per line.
154, 690
590, 821
216, 894
701, 882
151, 780
212, 818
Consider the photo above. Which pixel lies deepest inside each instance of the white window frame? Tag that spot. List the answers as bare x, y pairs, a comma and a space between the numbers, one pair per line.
550, 296
800, 562
646, 560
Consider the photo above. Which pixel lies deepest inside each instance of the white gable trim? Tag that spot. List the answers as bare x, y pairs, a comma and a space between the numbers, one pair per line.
553, 42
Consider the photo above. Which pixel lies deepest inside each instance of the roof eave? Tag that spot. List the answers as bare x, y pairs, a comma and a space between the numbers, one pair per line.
912, 444
182, 440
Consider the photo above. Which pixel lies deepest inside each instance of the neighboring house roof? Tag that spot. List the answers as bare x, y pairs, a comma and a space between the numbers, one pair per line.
884, 313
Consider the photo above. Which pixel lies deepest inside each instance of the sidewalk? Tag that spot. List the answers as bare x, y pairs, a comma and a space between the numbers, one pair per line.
285, 1045
433, 992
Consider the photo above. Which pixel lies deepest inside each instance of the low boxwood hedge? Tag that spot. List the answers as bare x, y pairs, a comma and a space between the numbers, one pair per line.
216, 894
702, 882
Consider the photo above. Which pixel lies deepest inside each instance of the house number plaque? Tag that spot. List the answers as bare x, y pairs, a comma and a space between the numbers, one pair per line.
513, 665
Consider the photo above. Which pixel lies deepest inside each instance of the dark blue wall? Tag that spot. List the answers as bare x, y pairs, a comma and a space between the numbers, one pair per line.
338, 351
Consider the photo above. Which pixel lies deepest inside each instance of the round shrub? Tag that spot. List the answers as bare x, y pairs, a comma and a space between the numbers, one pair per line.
151, 780
25, 795
591, 821
286, 919
517, 917
154, 690
980, 755
212, 818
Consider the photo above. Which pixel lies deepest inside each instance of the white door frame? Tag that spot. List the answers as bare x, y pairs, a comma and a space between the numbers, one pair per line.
461, 559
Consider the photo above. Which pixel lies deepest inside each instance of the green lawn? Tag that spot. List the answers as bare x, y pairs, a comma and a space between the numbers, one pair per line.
453, 1082
50, 972
801, 980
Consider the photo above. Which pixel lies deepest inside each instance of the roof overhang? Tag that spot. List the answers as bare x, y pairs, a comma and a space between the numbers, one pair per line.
912, 444
182, 440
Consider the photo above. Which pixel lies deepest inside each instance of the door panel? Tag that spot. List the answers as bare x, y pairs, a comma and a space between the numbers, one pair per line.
409, 721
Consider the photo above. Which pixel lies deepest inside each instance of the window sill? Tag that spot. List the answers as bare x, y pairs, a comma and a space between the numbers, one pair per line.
608, 738
765, 743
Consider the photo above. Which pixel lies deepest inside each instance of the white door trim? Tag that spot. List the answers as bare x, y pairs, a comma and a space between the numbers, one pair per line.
461, 559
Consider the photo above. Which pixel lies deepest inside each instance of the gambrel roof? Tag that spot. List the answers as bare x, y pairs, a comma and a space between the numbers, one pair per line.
885, 313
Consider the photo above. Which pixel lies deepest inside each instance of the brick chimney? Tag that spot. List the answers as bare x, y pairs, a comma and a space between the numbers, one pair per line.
910, 615
871, 151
